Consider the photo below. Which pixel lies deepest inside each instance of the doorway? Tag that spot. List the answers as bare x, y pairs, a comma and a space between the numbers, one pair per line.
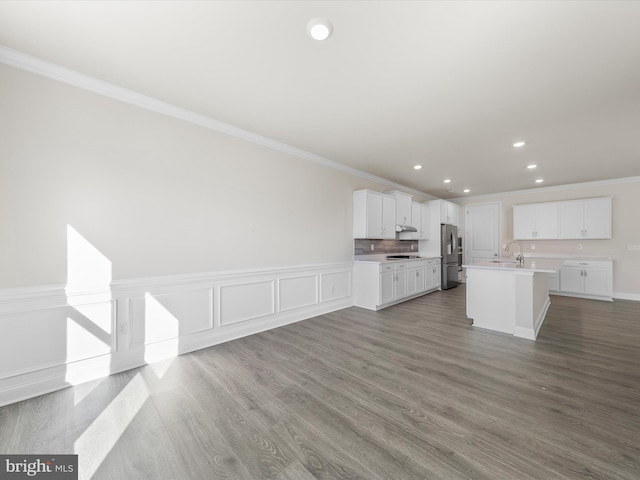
482, 232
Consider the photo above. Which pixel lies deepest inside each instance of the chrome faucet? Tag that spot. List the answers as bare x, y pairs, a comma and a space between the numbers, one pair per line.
520, 256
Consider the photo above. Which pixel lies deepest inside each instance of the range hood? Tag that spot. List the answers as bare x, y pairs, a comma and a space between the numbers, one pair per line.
405, 228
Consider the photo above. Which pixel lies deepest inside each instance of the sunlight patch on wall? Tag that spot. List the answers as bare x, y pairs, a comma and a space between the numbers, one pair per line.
88, 270
89, 331
162, 330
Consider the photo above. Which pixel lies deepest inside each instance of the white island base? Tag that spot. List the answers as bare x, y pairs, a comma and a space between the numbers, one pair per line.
506, 298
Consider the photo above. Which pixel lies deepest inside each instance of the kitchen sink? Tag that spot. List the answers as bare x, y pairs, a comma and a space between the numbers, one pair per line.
402, 257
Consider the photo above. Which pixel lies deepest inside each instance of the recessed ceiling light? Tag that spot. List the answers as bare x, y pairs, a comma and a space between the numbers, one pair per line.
532, 166
319, 28
539, 180
447, 180
466, 190
519, 144
417, 167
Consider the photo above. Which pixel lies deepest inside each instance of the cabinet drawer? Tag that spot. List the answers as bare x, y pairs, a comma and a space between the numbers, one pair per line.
387, 267
587, 263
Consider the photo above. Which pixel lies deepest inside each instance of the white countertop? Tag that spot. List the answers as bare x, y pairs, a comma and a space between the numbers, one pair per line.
528, 266
565, 256
382, 258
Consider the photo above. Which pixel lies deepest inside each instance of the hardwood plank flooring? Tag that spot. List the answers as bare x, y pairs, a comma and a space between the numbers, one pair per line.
410, 392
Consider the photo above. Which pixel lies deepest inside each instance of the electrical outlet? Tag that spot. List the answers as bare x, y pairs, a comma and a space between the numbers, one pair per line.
372, 247
633, 247
579, 247
533, 247
122, 329
412, 246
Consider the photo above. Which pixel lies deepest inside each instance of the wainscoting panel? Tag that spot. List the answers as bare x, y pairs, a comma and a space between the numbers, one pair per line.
52, 338
163, 316
336, 285
297, 292
246, 301
49, 337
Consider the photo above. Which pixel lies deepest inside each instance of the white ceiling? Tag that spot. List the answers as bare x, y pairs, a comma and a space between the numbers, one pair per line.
450, 85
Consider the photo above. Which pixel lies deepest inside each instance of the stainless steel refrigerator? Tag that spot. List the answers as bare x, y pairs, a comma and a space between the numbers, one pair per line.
449, 252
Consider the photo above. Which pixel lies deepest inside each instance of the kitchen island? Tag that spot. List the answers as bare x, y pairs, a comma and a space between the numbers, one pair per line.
507, 297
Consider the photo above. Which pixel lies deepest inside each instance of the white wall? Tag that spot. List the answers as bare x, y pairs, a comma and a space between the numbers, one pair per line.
128, 236
625, 226
155, 195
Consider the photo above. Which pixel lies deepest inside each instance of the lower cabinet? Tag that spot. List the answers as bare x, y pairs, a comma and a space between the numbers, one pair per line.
380, 284
416, 279
433, 277
393, 282
589, 279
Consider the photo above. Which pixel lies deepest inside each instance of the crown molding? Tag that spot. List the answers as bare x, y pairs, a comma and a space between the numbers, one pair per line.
569, 186
47, 69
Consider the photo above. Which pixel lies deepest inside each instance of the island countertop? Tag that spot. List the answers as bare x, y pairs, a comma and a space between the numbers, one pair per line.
508, 264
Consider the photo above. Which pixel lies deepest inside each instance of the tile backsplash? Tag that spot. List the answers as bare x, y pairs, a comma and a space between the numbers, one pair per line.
363, 246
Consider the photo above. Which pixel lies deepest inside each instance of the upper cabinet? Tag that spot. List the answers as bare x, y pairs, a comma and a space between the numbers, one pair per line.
420, 219
574, 219
374, 215
589, 218
536, 221
403, 207
450, 213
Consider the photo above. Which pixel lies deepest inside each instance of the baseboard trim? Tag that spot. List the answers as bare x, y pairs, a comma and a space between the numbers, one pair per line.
626, 296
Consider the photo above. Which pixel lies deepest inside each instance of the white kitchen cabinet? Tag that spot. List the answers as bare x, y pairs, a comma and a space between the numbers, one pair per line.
400, 287
535, 221
450, 213
387, 283
589, 279
378, 285
420, 218
393, 283
432, 275
403, 207
374, 215
416, 272
585, 219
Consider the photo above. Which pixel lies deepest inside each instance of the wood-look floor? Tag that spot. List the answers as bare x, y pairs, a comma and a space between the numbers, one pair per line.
410, 392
